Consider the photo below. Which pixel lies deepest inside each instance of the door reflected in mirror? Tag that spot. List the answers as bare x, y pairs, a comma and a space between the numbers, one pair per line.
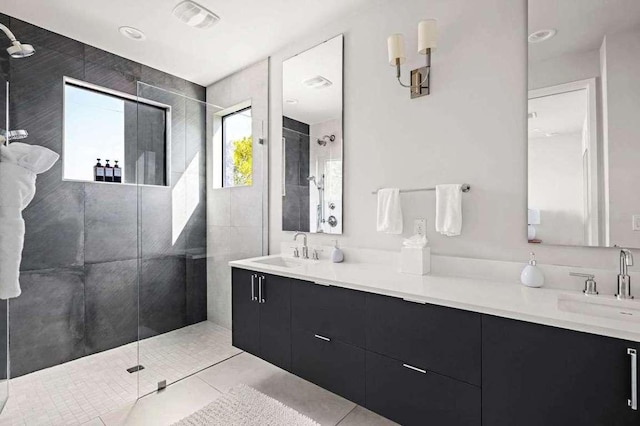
312, 144
583, 136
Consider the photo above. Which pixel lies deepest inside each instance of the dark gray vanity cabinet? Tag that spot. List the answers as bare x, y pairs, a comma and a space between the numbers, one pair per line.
261, 315
328, 337
539, 375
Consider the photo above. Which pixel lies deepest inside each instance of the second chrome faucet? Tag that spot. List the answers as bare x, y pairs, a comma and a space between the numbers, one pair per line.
624, 280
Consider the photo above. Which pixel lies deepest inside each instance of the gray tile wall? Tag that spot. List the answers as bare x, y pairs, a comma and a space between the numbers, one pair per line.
91, 250
295, 204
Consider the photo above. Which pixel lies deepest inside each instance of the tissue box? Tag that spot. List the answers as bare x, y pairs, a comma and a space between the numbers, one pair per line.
415, 261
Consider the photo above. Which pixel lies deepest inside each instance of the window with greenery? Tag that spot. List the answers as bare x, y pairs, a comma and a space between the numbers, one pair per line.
237, 149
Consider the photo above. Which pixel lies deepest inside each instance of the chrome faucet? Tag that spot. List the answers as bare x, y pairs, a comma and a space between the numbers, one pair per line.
624, 280
305, 249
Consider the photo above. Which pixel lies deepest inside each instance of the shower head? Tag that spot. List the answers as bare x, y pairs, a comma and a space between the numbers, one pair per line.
17, 50
323, 141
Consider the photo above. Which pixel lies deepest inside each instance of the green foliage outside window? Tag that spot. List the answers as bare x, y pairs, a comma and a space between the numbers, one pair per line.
242, 161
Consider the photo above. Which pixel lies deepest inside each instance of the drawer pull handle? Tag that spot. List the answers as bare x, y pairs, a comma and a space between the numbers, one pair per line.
633, 402
253, 287
411, 367
317, 336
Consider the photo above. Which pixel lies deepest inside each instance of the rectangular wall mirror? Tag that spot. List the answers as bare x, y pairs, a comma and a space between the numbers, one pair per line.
583, 132
312, 160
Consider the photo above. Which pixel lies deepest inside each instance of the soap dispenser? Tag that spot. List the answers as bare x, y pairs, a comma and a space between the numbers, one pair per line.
337, 255
531, 275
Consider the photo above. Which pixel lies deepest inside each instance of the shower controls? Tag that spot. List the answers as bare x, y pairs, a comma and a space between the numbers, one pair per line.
108, 172
332, 221
98, 172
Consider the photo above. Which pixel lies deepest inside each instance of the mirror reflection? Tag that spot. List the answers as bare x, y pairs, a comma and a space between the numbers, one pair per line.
312, 140
584, 101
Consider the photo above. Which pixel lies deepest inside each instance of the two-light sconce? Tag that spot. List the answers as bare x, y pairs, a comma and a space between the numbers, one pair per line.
420, 77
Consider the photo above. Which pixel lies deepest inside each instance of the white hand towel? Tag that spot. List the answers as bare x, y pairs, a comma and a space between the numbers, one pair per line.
449, 209
389, 211
19, 164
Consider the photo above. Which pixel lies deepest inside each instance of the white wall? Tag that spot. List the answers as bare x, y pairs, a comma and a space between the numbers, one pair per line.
564, 69
236, 224
472, 128
553, 160
623, 95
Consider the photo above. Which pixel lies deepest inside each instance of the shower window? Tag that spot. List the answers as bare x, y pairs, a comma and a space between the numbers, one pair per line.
237, 148
105, 126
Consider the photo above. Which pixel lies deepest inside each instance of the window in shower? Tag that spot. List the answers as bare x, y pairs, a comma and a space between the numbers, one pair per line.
103, 125
237, 148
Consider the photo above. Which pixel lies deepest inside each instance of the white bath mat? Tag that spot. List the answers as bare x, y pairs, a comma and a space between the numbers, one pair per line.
247, 407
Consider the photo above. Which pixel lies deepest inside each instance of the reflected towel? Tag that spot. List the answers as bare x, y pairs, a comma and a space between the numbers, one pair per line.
449, 209
389, 211
19, 165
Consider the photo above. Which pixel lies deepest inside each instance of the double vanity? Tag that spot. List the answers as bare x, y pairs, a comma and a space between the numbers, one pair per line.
441, 350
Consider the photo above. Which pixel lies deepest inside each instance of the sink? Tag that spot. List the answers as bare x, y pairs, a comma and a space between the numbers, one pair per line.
282, 262
601, 306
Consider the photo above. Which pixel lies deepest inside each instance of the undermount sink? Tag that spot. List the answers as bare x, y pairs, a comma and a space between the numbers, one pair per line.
282, 262
601, 306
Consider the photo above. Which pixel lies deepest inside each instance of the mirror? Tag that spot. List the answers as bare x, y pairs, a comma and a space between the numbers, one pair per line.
583, 132
312, 139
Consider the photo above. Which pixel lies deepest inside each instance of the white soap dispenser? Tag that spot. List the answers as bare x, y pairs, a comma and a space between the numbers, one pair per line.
531, 275
337, 255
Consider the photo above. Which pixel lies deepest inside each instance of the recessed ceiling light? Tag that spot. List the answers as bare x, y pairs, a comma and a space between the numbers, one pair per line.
132, 33
291, 101
317, 82
195, 15
541, 35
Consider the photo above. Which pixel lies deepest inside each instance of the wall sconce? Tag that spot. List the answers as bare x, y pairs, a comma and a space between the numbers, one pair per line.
420, 77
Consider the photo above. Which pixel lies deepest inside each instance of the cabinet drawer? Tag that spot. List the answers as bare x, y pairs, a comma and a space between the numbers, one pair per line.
333, 365
331, 311
440, 339
411, 397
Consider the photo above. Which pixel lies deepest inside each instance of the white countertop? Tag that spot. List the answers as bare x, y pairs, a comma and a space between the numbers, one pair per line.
505, 299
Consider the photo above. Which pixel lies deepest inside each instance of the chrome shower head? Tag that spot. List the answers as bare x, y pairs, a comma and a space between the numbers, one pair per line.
17, 50
325, 138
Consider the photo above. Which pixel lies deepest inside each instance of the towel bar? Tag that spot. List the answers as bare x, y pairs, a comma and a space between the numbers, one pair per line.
465, 188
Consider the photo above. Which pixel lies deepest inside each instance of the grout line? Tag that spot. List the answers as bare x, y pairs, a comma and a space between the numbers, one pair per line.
347, 415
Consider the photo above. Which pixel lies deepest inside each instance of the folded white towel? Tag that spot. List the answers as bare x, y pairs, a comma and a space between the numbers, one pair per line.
19, 164
389, 211
449, 209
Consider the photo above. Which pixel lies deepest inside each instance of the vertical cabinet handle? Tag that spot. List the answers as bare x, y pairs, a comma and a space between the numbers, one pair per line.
261, 289
633, 402
253, 287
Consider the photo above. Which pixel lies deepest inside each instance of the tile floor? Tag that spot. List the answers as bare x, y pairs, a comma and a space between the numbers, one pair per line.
94, 390
81, 390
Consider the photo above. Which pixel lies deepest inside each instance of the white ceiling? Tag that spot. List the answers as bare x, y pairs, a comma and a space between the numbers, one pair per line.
559, 114
249, 30
314, 105
581, 24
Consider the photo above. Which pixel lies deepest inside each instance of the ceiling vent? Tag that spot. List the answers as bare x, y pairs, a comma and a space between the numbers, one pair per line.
317, 82
195, 15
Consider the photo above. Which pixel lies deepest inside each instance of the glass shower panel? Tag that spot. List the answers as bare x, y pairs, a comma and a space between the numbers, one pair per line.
173, 331
4, 304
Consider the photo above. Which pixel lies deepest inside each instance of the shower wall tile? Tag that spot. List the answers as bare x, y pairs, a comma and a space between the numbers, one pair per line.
111, 312
195, 91
55, 227
246, 241
47, 320
246, 206
295, 125
36, 95
163, 80
41, 38
156, 222
195, 138
196, 289
112, 78
111, 231
162, 295
112, 61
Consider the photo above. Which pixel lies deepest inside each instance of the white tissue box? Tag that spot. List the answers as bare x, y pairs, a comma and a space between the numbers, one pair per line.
415, 261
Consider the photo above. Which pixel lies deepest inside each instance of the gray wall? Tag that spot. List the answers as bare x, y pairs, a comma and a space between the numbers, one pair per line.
92, 251
295, 203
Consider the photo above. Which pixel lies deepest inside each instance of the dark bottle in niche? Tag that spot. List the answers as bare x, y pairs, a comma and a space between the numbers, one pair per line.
117, 173
98, 172
108, 172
